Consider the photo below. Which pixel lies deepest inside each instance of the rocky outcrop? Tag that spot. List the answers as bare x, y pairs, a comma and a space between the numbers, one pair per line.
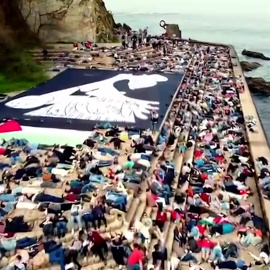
126, 27
15, 36
249, 66
172, 30
13, 28
258, 85
255, 55
69, 20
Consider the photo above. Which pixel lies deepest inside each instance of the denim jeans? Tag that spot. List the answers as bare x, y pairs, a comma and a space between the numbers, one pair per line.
195, 232
154, 126
7, 198
26, 242
146, 157
99, 179
48, 198
133, 267
88, 188
161, 139
75, 219
197, 190
3, 213
259, 223
117, 200
76, 183
104, 163
189, 257
61, 227
165, 193
108, 151
231, 251
8, 244
64, 166
132, 178
48, 229
216, 254
4, 165
264, 182
57, 256
87, 218
15, 159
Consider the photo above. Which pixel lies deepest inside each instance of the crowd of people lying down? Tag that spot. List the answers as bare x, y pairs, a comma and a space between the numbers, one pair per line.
219, 205
156, 55
151, 54
75, 189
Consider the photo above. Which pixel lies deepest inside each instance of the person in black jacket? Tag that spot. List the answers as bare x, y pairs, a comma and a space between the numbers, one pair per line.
154, 120
118, 250
159, 255
116, 142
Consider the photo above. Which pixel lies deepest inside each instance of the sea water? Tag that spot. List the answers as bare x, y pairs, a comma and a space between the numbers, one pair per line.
242, 23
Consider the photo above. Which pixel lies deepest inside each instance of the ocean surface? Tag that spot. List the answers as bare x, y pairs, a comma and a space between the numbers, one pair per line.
242, 23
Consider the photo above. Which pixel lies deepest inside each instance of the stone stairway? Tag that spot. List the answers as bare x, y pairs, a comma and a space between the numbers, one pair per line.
91, 58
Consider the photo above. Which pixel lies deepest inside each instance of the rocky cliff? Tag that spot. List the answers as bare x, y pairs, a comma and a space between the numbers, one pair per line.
13, 28
17, 70
69, 20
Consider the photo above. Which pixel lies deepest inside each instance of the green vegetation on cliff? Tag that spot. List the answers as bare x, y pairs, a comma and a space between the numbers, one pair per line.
18, 71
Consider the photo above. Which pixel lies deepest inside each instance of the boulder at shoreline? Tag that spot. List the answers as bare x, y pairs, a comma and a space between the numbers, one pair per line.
258, 85
126, 27
249, 66
255, 55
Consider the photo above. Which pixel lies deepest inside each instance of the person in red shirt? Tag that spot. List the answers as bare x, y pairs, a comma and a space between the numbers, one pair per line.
72, 197
135, 260
161, 217
190, 192
202, 228
2, 151
206, 245
176, 215
99, 245
205, 197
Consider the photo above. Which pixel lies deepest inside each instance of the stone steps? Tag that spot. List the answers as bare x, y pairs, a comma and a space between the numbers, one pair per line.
114, 224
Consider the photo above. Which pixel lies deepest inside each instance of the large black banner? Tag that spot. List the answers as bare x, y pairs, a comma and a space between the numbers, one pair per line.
79, 99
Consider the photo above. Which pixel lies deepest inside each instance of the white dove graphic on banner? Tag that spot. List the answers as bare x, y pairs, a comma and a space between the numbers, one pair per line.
103, 102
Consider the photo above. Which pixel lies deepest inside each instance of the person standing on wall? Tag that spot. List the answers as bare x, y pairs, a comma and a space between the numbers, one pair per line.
134, 41
124, 40
140, 37
154, 120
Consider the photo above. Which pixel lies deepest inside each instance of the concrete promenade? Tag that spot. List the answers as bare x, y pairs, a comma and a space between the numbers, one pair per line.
258, 142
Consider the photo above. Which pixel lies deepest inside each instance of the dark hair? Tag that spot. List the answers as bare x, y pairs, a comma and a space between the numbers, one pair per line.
136, 246
160, 207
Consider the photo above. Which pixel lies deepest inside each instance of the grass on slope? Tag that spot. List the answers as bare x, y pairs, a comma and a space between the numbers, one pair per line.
18, 71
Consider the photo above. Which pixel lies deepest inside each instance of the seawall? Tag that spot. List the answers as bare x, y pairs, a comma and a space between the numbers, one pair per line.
257, 140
